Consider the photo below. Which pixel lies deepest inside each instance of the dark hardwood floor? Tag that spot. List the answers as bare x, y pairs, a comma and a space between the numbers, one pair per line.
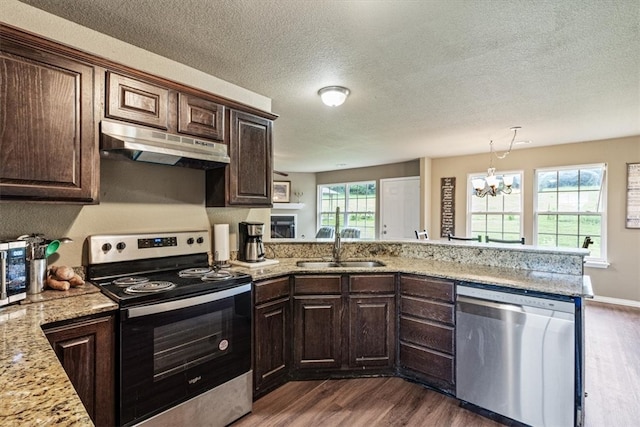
612, 364
612, 383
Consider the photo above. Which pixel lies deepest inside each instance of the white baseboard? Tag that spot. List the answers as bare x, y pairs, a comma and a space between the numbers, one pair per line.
617, 301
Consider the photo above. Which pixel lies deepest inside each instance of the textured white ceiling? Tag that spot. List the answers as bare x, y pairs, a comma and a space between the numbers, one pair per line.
428, 78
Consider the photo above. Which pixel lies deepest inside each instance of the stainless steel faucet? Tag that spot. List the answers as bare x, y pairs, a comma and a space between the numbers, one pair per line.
337, 244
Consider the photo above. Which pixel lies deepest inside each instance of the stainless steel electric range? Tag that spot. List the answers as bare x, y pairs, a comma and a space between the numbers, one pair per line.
184, 330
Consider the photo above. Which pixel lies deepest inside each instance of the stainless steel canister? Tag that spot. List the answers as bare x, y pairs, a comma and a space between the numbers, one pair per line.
37, 275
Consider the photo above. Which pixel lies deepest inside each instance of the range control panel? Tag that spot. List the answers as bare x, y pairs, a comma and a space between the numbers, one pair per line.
157, 242
128, 247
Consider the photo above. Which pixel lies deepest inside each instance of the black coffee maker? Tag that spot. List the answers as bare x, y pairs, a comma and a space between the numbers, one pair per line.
250, 247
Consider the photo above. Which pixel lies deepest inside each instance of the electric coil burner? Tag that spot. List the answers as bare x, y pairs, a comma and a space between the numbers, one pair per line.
184, 329
128, 281
146, 287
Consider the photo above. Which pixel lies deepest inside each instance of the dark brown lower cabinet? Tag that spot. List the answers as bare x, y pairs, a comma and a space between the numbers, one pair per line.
372, 321
344, 324
272, 352
317, 332
427, 331
371, 331
86, 351
349, 325
272, 334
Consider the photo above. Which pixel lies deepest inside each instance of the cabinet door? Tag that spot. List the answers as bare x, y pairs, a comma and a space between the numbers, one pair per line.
372, 331
48, 146
272, 345
247, 180
317, 332
86, 352
136, 101
251, 155
200, 117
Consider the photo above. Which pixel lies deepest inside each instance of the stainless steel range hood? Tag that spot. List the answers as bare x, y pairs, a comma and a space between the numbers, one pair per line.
120, 140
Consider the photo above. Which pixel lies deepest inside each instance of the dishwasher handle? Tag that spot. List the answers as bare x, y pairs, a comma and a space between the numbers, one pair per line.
500, 311
485, 308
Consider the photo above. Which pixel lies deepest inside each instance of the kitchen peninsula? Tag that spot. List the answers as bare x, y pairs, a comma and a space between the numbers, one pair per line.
36, 388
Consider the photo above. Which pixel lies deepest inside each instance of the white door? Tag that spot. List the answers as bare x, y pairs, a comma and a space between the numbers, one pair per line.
399, 208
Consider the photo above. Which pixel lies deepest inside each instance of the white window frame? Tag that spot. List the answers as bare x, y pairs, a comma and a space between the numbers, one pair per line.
597, 262
471, 192
344, 213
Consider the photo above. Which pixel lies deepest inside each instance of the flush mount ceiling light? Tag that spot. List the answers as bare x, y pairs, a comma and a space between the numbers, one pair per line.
333, 96
492, 185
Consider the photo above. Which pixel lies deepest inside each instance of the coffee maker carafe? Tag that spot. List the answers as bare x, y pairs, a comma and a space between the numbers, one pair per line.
250, 247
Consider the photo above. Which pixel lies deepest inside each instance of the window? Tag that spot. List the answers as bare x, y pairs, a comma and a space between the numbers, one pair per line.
570, 204
357, 203
499, 217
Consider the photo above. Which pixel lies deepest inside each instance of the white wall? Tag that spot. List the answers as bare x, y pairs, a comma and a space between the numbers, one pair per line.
622, 279
305, 183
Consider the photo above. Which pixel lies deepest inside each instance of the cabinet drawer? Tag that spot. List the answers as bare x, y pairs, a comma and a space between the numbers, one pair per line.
427, 362
329, 284
372, 283
137, 101
271, 289
427, 334
427, 287
427, 309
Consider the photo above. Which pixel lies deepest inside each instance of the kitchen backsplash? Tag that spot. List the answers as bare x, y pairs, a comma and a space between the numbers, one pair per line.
522, 258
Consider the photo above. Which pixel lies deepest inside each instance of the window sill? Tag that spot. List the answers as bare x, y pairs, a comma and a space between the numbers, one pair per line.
596, 264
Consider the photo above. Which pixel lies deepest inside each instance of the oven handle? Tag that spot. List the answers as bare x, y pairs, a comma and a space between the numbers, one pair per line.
187, 302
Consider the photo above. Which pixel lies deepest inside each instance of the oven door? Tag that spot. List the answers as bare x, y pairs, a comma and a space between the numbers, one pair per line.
175, 350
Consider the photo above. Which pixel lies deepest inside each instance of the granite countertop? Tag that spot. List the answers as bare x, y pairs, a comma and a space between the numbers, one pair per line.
35, 387
551, 283
37, 391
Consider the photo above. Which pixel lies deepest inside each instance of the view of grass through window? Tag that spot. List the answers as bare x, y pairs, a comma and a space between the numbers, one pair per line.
570, 206
498, 217
357, 202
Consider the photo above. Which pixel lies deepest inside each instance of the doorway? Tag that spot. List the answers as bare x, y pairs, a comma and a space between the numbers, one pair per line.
399, 208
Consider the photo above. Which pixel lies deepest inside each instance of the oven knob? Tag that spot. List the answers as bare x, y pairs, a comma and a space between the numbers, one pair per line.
200, 240
106, 247
120, 246
190, 241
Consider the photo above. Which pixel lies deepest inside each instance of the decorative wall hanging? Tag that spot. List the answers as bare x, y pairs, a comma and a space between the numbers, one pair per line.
633, 195
447, 206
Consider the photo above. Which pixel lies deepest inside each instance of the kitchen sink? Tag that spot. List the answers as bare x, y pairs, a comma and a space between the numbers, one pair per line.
343, 264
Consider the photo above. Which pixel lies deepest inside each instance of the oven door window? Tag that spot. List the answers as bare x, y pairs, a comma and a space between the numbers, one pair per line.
170, 357
187, 343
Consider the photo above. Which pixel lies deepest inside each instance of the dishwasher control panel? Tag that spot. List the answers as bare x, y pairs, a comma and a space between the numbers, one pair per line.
516, 299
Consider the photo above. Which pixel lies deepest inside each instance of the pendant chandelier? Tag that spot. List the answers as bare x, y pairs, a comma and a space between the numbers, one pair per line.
492, 185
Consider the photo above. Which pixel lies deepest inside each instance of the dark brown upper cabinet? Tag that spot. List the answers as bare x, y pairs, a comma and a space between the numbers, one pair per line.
48, 143
200, 117
156, 106
248, 179
136, 101
52, 98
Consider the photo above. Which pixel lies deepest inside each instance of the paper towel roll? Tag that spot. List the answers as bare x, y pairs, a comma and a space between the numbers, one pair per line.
221, 242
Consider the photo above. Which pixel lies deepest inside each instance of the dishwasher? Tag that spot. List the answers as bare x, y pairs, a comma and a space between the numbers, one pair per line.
516, 355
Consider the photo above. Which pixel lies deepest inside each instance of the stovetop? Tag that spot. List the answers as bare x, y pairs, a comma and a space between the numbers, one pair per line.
159, 257
155, 287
